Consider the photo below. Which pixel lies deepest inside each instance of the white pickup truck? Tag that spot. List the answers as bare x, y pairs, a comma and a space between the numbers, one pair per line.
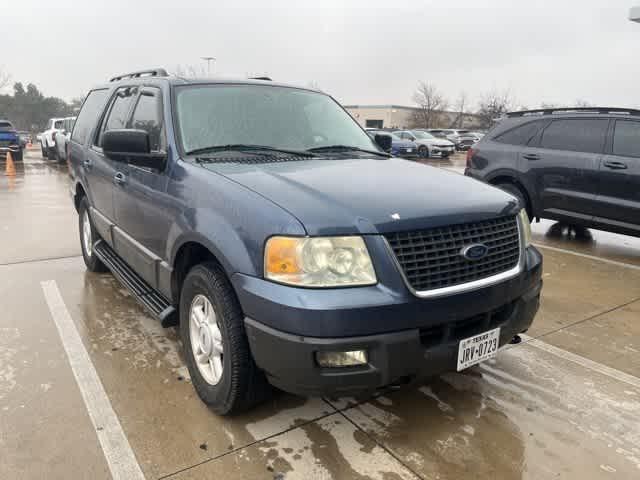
47, 140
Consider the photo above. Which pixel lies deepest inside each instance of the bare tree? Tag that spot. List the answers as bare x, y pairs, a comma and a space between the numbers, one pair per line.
190, 71
5, 78
492, 106
430, 103
581, 103
460, 110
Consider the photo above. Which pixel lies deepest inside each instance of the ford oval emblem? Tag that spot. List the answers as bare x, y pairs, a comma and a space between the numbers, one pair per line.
475, 251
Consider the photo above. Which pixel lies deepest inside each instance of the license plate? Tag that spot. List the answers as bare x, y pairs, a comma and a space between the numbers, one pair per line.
409, 150
478, 348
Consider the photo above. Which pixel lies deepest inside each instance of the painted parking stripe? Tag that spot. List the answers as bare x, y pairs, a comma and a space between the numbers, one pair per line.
590, 257
117, 451
582, 361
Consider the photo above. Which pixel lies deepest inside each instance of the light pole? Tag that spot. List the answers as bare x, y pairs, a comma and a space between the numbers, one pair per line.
208, 60
634, 14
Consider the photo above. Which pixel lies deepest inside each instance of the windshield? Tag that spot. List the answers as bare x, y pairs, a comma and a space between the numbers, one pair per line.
422, 135
277, 117
5, 126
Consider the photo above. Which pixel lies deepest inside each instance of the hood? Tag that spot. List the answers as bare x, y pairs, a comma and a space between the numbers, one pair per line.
438, 142
369, 196
403, 143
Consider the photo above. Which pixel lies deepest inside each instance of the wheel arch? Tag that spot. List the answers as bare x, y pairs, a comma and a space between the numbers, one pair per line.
505, 177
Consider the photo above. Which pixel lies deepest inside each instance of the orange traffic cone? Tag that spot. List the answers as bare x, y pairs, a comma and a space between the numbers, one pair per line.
10, 170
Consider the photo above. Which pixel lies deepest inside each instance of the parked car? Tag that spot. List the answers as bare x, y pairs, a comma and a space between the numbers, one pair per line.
47, 142
399, 147
25, 139
61, 138
294, 253
467, 140
453, 135
428, 145
10, 140
580, 166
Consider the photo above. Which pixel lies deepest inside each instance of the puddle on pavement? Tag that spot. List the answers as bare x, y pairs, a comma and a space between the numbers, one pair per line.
525, 415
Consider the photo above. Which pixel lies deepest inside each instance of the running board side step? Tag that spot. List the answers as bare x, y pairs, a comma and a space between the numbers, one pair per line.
144, 293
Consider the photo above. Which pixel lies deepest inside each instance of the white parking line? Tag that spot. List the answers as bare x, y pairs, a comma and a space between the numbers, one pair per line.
590, 257
582, 361
117, 451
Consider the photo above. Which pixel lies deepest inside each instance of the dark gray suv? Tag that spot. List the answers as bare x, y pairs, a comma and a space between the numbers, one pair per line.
578, 165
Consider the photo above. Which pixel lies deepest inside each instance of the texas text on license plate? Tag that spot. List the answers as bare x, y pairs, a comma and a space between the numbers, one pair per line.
478, 348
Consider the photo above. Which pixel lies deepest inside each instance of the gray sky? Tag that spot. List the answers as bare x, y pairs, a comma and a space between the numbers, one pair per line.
359, 51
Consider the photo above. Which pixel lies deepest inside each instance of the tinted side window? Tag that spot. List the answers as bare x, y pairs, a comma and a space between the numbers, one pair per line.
626, 139
118, 111
520, 135
91, 108
576, 135
148, 116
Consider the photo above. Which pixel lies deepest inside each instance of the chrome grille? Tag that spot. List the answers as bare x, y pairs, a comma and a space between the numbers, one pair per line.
432, 259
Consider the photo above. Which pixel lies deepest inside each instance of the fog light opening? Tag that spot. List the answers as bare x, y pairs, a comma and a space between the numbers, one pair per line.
352, 358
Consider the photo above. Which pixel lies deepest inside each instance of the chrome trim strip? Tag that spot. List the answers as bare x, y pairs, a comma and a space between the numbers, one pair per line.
463, 287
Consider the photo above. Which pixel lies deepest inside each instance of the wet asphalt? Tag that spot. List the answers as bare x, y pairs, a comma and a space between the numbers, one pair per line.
564, 403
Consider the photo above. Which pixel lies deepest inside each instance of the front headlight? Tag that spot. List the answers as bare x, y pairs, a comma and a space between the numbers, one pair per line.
525, 226
318, 261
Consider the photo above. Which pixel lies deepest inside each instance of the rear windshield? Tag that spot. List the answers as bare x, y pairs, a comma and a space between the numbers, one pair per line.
277, 117
6, 126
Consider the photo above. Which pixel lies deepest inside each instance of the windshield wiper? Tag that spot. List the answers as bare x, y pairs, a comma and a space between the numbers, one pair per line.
345, 148
242, 147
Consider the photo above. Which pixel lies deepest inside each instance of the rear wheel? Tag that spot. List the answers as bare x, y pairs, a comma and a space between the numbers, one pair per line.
88, 238
44, 150
519, 194
216, 347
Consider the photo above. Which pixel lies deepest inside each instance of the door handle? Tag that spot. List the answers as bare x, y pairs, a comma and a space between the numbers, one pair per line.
119, 178
531, 156
615, 165
86, 163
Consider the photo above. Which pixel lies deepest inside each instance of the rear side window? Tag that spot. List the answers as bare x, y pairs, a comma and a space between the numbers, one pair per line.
148, 116
91, 108
521, 135
577, 135
58, 124
626, 139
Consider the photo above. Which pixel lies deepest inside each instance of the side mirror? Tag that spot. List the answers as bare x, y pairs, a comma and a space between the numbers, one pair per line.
131, 146
383, 141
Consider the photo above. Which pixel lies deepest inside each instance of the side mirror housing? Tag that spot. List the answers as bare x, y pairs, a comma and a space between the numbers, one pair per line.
383, 141
132, 146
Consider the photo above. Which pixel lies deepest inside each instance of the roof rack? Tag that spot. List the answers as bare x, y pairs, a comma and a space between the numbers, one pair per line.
551, 111
268, 79
155, 72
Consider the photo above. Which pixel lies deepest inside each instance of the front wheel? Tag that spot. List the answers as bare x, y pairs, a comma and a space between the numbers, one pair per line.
423, 151
45, 152
215, 343
18, 156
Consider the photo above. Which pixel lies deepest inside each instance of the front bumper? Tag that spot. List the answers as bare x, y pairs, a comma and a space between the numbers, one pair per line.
407, 337
396, 357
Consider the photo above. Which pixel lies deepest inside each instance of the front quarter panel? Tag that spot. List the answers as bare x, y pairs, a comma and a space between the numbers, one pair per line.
232, 221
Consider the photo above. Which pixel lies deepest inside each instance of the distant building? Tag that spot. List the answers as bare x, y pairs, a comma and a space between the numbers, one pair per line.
400, 116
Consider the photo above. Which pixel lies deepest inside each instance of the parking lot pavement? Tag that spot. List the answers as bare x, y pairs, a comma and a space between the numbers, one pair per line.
564, 403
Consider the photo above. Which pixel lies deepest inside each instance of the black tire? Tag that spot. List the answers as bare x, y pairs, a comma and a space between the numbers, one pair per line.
242, 385
45, 151
90, 260
423, 151
53, 154
519, 194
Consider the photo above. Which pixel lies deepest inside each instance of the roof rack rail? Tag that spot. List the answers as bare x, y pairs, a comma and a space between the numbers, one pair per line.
551, 111
268, 79
154, 72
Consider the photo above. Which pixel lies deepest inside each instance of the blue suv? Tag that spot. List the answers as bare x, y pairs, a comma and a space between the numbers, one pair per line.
287, 246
